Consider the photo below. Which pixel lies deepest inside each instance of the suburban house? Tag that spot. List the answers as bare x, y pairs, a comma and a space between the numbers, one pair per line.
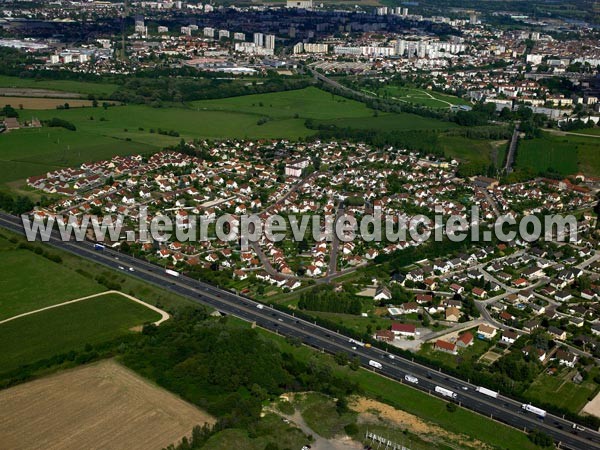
409, 308
452, 314
566, 358
444, 346
404, 329
509, 336
465, 339
486, 331
479, 293
385, 335
382, 293
557, 333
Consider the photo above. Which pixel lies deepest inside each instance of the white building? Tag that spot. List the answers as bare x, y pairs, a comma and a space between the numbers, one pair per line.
300, 4
209, 32
259, 39
270, 42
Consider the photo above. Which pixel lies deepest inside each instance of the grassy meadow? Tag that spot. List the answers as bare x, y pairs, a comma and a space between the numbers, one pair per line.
42, 335
423, 97
565, 154
100, 90
31, 282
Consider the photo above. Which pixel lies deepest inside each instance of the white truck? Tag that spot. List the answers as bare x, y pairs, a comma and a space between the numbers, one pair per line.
353, 341
534, 409
486, 391
411, 379
375, 364
173, 273
445, 392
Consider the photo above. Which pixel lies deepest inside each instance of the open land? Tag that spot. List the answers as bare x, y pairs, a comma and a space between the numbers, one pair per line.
69, 327
99, 406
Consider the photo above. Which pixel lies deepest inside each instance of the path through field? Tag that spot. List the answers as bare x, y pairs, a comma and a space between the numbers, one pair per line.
163, 314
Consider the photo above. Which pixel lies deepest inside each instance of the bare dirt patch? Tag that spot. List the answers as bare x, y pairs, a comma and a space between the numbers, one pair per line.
99, 406
372, 411
42, 103
592, 407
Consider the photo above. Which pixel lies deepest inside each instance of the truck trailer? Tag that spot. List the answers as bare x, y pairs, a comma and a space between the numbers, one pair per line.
445, 392
486, 391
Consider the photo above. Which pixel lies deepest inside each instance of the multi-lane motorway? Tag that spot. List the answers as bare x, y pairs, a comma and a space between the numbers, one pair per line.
501, 408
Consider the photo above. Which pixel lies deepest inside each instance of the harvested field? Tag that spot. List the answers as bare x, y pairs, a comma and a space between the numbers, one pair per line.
41, 102
25, 92
99, 406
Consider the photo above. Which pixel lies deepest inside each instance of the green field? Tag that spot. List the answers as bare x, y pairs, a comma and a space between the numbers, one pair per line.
33, 152
31, 282
77, 270
560, 390
390, 122
59, 330
305, 103
100, 90
422, 97
565, 154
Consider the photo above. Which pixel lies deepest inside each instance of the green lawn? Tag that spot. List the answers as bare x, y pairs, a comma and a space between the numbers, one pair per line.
59, 330
467, 150
73, 268
100, 90
31, 282
565, 154
358, 324
390, 122
304, 103
25, 153
470, 353
559, 390
422, 97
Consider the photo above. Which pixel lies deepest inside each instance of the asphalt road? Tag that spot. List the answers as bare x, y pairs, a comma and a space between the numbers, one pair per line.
501, 408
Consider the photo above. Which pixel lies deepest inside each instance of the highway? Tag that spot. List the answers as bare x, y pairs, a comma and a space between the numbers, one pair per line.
501, 408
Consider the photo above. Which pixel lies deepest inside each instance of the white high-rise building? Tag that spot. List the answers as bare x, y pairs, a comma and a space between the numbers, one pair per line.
270, 41
259, 39
209, 32
300, 4
239, 36
223, 34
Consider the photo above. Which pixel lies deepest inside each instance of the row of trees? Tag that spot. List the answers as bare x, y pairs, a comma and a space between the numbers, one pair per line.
324, 298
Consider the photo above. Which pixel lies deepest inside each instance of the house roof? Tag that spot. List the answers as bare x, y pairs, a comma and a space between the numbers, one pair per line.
466, 338
445, 345
403, 327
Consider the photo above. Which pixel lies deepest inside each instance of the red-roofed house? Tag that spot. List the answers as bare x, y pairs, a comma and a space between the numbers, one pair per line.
444, 346
404, 329
465, 340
